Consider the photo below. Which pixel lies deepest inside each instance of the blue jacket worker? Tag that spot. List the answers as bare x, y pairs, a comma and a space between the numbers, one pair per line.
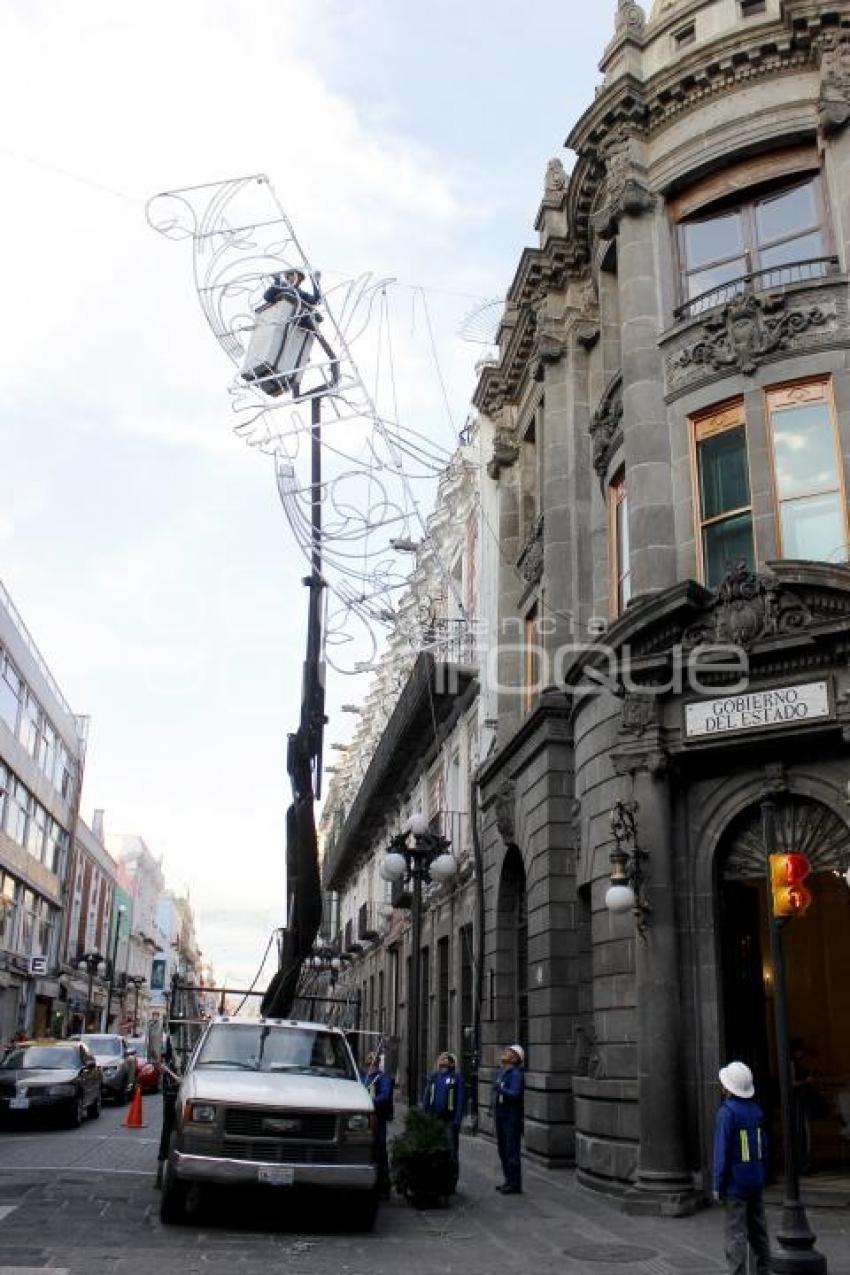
508, 1114
445, 1098
289, 285
381, 1088
740, 1164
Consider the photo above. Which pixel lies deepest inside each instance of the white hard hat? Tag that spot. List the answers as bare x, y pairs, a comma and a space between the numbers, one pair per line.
519, 1051
737, 1078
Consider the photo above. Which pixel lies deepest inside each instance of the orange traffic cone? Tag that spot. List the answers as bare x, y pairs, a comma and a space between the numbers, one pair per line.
134, 1115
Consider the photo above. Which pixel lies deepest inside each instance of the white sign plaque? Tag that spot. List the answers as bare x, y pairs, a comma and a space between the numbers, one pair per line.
755, 710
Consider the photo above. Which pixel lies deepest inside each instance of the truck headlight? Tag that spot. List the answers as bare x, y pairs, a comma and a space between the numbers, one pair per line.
200, 1112
358, 1127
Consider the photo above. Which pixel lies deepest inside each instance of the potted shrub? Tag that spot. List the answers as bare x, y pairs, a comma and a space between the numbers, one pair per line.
422, 1166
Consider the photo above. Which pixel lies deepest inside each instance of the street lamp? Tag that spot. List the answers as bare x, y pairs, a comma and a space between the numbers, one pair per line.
94, 963
121, 910
137, 982
627, 891
417, 855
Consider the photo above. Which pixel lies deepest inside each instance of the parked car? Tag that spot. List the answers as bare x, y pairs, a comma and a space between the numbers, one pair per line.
49, 1076
116, 1062
148, 1068
268, 1103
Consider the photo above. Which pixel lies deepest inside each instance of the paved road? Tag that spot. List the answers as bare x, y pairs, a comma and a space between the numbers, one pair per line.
83, 1202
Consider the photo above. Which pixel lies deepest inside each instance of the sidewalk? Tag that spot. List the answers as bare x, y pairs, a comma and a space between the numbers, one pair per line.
556, 1225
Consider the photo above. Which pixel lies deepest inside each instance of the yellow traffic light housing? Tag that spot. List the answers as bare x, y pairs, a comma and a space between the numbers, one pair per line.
788, 873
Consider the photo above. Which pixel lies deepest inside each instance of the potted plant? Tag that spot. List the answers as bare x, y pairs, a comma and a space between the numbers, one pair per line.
422, 1165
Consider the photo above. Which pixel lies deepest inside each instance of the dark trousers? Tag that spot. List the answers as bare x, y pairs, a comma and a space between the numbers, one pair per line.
381, 1157
169, 1115
509, 1140
746, 1226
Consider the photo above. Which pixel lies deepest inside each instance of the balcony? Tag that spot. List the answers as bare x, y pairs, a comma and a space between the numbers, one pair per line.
451, 641
369, 924
770, 280
350, 943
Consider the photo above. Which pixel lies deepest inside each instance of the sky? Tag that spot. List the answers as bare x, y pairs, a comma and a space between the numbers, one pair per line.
142, 542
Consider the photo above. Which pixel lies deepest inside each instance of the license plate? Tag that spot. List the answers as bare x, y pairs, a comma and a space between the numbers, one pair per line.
277, 1174
18, 1104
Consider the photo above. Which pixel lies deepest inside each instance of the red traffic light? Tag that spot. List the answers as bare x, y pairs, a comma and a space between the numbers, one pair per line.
787, 874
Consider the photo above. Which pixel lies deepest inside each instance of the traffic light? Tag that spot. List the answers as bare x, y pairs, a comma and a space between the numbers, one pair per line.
787, 875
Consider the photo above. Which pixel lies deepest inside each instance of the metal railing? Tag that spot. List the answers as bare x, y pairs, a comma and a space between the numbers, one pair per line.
758, 281
451, 641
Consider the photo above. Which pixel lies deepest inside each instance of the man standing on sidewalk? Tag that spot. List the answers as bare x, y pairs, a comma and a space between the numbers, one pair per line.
740, 1157
508, 1091
381, 1087
445, 1098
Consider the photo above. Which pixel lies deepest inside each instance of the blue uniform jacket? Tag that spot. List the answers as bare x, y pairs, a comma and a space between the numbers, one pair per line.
740, 1148
445, 1096
381, 1087
508, 1091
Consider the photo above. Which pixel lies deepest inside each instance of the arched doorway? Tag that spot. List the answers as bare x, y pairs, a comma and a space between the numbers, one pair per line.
512, 954
817, 958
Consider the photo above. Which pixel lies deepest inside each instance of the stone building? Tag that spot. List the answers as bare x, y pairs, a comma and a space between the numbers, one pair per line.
671, 407
416, 749
140, 876
42, 749
90, 902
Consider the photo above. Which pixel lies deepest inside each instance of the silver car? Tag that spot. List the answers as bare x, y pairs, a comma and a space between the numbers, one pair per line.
273, 1103
116, 1061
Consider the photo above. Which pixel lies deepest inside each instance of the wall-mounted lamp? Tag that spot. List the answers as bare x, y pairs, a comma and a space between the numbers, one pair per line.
627, 891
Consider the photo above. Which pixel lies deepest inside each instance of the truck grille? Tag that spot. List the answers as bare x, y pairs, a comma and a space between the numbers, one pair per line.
288, 1126
277, 1152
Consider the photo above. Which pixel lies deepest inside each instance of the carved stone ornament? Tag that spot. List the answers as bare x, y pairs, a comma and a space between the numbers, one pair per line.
748, 329
556, 179
639, 713
746, 608
505, 453
626, 191
530, 561
505, 805
834, 101
606, 427
630, 17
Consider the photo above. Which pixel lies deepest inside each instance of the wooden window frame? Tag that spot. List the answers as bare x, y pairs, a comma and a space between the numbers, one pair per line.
617, 496
751, 247
811, 389
717, 420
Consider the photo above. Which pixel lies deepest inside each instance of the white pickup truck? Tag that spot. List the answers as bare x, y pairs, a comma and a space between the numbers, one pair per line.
276, 1104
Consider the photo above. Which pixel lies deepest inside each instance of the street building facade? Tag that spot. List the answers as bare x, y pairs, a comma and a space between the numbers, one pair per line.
141, 878
662, 501
42, 752
88, 924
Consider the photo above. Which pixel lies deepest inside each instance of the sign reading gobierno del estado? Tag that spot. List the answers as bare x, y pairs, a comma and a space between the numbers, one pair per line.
756, 710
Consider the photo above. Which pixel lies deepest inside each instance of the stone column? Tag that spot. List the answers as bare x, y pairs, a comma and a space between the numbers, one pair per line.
664, 1183
631, 213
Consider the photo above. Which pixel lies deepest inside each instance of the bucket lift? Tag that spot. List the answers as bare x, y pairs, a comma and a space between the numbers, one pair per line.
279, 347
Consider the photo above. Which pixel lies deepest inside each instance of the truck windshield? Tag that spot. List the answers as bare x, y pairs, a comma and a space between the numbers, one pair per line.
259, 1047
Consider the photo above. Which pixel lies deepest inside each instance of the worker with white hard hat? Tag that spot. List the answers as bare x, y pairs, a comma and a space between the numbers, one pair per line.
507, 1107
740, 1169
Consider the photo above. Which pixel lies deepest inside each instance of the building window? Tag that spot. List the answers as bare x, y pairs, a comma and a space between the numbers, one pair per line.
10, 692
530, 661
810, 505
685, 36
620, 545
769, 233
751, 8
443, 998
723, 506
7, 912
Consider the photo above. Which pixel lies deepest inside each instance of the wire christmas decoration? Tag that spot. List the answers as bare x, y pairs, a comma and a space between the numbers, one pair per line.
377, 473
